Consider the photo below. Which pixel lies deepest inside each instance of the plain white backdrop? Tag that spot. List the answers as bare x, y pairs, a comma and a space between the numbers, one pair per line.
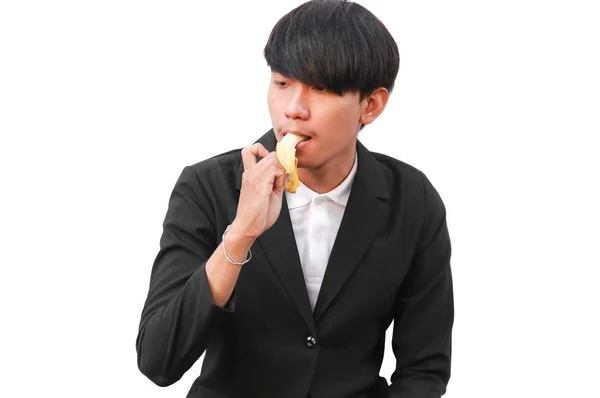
102, 104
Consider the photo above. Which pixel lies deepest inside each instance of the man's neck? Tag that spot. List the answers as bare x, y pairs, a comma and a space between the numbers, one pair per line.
326, 177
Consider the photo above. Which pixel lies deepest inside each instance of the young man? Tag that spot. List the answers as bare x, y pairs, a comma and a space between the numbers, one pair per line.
290, 294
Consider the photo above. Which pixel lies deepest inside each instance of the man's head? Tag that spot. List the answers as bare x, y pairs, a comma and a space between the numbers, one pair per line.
334, 44
333, 66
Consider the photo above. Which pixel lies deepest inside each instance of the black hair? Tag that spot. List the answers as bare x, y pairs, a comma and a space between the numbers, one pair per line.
334, 44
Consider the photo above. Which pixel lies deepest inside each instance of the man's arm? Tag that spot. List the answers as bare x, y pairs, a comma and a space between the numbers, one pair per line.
192, 280
190, 286
424, 312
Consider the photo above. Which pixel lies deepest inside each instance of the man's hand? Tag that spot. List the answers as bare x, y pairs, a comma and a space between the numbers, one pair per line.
261, 195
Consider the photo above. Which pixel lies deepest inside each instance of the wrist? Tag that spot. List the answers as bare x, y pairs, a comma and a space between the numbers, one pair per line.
236, 251
240, 235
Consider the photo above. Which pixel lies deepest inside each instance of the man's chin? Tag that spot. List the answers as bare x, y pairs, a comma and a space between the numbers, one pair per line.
304, 163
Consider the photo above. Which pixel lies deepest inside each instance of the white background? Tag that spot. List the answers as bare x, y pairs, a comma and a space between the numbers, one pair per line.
103, 103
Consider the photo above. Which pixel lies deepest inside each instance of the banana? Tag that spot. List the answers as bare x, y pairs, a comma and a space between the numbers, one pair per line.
286, 154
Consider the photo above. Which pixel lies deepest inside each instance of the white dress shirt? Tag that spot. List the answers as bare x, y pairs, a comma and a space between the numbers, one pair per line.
316, 219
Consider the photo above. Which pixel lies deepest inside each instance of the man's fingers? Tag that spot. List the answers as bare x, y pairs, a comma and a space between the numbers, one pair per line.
267, 173
281, 180
250, 153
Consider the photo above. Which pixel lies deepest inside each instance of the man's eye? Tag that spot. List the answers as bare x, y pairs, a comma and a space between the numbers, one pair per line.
319, 88
280, 83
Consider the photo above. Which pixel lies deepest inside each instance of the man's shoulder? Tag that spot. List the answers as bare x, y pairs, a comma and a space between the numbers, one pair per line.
225, 164
227, 159
223, 169
232, 159
401, 176
216, 171
397, 169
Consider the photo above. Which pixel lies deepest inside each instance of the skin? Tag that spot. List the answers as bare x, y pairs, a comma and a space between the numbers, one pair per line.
332, 122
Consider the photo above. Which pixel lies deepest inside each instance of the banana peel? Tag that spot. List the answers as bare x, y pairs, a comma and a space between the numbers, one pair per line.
294, 182
286, 154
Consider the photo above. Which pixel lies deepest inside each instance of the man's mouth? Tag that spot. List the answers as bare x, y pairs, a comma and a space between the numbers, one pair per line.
298, 133
302, 144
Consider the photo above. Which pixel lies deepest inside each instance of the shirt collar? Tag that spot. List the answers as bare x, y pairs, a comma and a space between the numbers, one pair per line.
340, 194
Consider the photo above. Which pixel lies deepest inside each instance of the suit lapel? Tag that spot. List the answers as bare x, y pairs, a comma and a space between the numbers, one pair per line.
362, 220
279, 245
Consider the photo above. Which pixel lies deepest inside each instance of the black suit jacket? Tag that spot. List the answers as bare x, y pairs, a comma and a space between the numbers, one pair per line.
390, 261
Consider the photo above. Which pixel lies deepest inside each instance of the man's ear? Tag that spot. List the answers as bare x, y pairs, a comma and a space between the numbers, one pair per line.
373, 105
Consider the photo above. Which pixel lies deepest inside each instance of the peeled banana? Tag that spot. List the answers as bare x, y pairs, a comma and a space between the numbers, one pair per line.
286, 154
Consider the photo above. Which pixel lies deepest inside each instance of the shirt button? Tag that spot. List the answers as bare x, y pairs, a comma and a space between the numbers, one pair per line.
311, 342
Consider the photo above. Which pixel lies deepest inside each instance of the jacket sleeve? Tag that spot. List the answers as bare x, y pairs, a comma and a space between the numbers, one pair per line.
179, 313
424, 312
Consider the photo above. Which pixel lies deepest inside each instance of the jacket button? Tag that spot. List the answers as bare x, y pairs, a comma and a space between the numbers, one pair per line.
311, 342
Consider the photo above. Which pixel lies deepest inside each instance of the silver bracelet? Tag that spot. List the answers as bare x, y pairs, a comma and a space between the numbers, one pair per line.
228, 256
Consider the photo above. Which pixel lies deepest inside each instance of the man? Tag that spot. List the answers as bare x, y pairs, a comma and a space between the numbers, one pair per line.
290, 294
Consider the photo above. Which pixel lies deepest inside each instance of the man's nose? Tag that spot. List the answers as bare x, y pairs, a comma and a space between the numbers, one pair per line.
297, 106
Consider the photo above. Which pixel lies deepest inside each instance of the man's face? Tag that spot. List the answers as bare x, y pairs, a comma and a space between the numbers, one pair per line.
330, 121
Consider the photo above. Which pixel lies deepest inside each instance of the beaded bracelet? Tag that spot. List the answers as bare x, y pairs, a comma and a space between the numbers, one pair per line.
228, 256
